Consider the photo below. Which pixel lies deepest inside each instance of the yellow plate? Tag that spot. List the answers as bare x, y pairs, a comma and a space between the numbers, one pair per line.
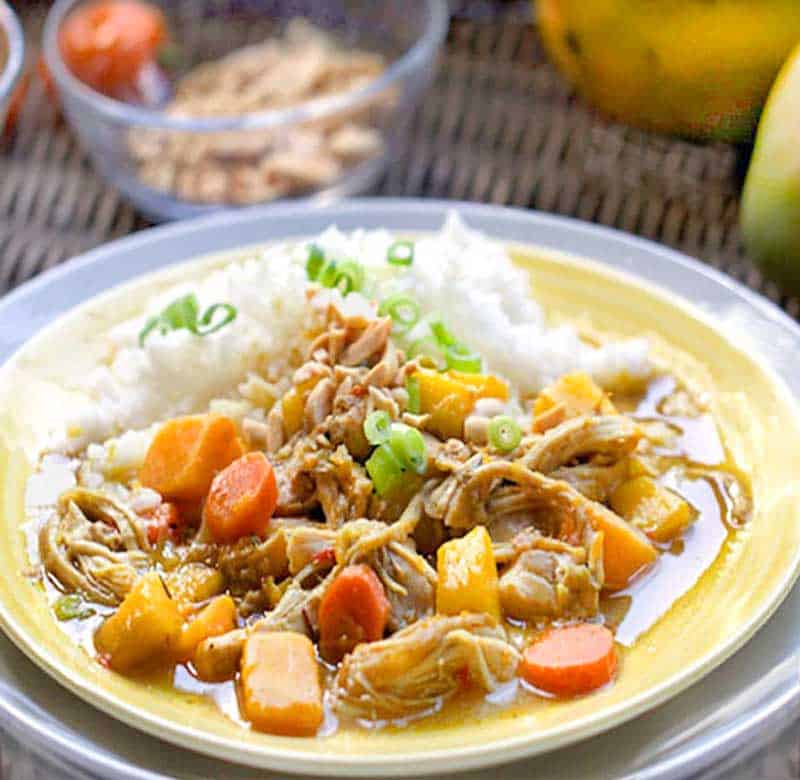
761, 424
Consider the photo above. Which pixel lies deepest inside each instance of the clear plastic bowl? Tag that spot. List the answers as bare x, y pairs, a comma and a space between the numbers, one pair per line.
134, 147
12, 56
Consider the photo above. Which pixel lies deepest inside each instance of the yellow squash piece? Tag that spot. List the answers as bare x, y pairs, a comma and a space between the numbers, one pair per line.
449, 397
656, 510
467, 580
280, 686
144, 630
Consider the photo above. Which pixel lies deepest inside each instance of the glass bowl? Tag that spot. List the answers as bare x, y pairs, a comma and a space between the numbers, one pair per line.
12, 56
174, 162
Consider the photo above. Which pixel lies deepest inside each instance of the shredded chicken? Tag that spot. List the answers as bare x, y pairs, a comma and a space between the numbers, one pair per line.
413, 671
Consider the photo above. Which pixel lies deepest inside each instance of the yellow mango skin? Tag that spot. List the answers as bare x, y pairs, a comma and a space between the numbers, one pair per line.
467, 576
144, 630
770, 209
696, 68
660, 513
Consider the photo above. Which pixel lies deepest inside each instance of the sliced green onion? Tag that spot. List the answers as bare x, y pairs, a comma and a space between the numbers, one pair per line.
328, 274
441, 333
378, 427
314, 262
504, 433
72, 607
403, 310
184, 314
460, 357
429, 352
408, 445
349, 277
385, 470
206, 320
401, 253
412, 388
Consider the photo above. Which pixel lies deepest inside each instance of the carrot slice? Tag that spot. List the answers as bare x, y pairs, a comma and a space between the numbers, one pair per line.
242, 499
187, 453
354, 609
281, 693
106, 43
571, 660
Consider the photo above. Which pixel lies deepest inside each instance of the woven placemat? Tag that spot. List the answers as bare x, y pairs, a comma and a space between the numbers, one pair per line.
499, 125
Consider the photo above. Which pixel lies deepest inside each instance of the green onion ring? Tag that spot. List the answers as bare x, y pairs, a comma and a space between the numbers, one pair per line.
460, 357
408, 445
504, 433
208, 316
385, 470
401, 253
349, 277
412, 388
442, 334
328, 274
403, 310
378, 427
314, 262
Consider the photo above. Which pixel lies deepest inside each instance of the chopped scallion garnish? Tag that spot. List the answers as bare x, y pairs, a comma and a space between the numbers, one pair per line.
403, 310
349, 277
401, 253
504, 433
412, 388
385, 470
408, 445
314, 262
442, 334
184, 314
328, 273
378, 427
72, 607
460, 357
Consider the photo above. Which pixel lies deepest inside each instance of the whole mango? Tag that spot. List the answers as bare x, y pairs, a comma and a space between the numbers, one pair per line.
770, 208
696, 68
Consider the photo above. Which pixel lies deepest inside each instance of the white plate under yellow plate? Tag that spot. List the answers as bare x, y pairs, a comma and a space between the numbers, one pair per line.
707, 625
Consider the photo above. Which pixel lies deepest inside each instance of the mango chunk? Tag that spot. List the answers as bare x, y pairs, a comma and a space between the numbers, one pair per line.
281, 692
214, 619
656, 510
144, 630
467, 575
450, 396
193, 583
574, 395
626, 550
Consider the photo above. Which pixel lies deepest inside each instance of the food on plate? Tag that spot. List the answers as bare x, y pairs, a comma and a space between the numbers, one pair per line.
688, 67
303, 64
771, 196
375, 492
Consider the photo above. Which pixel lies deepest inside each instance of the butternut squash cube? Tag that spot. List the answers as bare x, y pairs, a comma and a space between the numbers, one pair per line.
656, 510
144, 630
281, 692
467, 575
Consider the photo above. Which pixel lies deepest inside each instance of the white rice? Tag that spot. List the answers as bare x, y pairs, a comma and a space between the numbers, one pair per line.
458, 273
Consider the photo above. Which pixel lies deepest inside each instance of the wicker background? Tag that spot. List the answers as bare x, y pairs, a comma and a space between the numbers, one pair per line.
499, 126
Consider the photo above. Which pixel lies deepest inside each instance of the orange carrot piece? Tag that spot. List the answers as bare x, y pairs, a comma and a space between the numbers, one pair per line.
571, 660
354, 609
186, 454
217, 617
281, 692
106, 43
242, 499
